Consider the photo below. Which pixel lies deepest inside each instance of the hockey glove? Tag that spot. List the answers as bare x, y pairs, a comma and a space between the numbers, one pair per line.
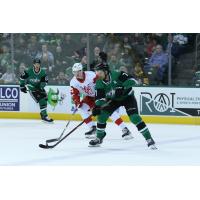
79, 105
39, 91
23, 89
119, 91
96, 111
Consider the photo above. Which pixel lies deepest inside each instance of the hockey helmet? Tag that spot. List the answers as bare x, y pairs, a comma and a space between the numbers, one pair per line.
77, 67
36, 60
102, 66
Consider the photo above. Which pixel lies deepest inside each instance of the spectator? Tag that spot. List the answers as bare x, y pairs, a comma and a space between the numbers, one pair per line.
61, 79
60, 59
157, 64
5, 57
126, 59
151, 45
76, 56
68, 74
100, 41
95, 57
33, 47
21, 69
47, 58
83, 44
140, 75
138, 44
9, 76
117, 50
123, 69
96, 52
21, 52
84, 63
161, 39
69, 45
179, 45
126, 43
113, 63
137, 38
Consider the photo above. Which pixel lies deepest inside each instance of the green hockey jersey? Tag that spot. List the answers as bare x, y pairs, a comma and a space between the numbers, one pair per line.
34, 81
106, 90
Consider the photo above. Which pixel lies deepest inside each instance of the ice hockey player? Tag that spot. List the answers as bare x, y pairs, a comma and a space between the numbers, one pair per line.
116, 89
35, 79
84, 82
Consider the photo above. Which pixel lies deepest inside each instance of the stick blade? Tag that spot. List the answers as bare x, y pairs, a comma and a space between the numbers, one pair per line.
43, 146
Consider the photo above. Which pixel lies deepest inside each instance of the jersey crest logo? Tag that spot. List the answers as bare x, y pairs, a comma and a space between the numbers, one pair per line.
88, 90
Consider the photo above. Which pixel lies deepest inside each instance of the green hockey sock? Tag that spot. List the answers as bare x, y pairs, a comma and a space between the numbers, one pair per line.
43, 107
141, 126
103, 117
101, 130
100, 134
146, 134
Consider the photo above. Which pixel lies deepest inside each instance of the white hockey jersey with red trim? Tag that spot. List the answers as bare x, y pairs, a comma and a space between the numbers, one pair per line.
85, 86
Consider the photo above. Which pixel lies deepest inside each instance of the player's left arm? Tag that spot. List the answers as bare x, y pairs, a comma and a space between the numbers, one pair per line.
100, 94
43, 81
127, 84
127, 80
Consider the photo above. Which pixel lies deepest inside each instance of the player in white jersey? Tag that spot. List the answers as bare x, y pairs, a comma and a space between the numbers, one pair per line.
83, 82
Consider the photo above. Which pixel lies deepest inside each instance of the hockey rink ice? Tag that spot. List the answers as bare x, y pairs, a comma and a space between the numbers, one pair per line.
19, 140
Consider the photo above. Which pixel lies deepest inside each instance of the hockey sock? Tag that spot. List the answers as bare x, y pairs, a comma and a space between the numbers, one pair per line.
141, 126
117, 119
101, 130
101, 124
120, 123
43, 107
89, 122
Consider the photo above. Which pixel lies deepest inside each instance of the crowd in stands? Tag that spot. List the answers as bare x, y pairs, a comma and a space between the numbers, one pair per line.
145, 56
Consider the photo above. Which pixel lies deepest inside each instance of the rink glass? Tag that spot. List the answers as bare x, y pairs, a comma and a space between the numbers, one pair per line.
129, 52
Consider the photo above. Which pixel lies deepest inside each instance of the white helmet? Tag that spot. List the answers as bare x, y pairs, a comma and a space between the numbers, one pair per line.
77, 67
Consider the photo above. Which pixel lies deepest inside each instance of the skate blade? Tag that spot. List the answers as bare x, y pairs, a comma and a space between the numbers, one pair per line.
45, 122
128, 137
153, 147
97, 145
90, 136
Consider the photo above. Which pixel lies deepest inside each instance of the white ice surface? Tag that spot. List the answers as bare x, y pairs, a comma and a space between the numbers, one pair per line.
19, 139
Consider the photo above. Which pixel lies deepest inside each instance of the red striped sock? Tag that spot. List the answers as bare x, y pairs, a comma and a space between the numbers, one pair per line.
120, 123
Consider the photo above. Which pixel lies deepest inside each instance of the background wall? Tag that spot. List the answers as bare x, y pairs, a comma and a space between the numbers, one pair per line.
155, 104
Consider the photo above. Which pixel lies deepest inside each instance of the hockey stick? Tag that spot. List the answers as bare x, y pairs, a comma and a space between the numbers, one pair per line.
52, 146
56, 139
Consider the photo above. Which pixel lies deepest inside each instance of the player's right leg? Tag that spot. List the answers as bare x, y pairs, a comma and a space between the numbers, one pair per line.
86, 116
101, 123
127, 135
131, 108
41, 98
101, 126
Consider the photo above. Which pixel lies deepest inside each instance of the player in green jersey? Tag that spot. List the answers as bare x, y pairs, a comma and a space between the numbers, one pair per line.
115, 89
35, 79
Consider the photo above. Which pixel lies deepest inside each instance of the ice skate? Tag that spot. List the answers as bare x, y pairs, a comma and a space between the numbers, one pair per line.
151, 144
127, 135
91, 134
